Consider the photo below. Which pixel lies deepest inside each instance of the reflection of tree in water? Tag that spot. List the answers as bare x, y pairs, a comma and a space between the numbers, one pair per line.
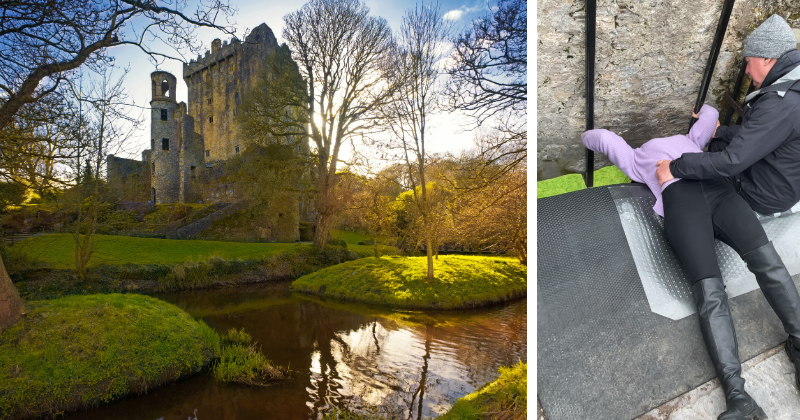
423, 376
410, 372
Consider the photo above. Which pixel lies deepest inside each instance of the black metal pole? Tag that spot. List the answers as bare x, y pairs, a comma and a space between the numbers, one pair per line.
736, 88
750, 88
712, 57
591, 20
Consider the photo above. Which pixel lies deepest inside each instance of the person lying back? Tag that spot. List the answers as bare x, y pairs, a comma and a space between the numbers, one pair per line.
639, 164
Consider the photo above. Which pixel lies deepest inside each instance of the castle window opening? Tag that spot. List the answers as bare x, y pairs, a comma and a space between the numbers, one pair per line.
237, 149
165, 88
152, 144
208, 153
164, 144
154, 168
163, 115
209, 101
210, 120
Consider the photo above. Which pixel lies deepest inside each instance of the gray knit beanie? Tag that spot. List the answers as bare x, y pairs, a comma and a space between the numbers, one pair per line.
771, 39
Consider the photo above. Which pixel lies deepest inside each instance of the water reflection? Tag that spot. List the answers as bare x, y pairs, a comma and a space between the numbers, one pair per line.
411, 365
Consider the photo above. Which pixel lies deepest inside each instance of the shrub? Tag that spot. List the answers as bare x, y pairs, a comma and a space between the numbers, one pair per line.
338, 243
245, 365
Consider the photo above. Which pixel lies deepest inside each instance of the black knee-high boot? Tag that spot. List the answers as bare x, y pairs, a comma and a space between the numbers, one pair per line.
781, 293
716, 325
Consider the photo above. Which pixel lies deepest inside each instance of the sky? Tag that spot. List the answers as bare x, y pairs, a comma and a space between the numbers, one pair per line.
446, 133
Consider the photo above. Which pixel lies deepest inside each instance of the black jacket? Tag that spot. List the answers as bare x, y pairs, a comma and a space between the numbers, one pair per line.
763, 154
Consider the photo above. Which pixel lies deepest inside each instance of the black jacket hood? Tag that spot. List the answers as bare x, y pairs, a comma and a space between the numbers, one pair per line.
786, 63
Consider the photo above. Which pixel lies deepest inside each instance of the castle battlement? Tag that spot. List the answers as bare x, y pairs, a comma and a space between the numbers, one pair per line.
222, 50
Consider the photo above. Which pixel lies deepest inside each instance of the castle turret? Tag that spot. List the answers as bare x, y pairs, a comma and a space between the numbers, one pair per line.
164, 141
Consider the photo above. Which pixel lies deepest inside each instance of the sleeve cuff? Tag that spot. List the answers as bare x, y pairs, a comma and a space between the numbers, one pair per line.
673, 168
721, 131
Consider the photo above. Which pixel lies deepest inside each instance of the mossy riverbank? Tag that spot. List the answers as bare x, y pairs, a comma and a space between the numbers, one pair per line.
78, 352
505, 398
48, 283
399, 282
82, 351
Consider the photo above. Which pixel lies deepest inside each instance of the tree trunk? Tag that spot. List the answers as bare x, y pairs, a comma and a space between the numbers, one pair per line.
11, 305
324, 206
322, 229
521, 246
429, 252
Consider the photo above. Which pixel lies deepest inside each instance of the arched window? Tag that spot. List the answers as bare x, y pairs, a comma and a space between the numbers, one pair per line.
165, 87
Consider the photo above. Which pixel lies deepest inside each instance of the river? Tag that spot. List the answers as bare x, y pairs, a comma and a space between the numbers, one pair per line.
411, 364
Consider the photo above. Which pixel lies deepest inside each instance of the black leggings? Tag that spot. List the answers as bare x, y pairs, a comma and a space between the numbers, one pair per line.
697, 211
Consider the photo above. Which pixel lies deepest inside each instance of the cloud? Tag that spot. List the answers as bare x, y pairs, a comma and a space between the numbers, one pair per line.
453, 15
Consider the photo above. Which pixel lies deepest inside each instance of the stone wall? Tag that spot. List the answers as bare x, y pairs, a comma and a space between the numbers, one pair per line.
217, 82
191, 161
650, 60
128, 179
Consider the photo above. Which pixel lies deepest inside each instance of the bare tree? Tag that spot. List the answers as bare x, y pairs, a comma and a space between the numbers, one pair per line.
111, 127
342, 53
488, 72
38, 137
418, 57
42, 41
30, 146
488, 68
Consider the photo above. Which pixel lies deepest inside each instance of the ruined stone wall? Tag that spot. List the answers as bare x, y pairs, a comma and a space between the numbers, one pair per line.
127, 179
217, 82
650, 60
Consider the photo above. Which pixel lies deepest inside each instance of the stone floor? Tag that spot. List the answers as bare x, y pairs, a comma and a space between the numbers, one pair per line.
769, 379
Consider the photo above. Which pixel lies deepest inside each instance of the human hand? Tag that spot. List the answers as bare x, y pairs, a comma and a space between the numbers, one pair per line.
694, 114
715, 129
663, 173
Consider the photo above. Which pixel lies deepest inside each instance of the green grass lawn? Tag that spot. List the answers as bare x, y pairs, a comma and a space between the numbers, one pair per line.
399, 282
57, 250
353, 238
609, 175
82, 351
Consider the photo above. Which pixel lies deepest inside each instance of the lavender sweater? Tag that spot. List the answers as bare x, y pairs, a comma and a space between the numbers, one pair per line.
640, 164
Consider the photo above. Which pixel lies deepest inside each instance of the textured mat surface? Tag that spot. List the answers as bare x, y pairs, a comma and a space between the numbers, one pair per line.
663, 278
602, 352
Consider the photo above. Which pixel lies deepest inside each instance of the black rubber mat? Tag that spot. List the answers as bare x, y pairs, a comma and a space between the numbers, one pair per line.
602, 354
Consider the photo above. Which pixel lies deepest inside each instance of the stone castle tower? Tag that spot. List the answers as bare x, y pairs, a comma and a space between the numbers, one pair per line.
191, 146
176, 151
216, 83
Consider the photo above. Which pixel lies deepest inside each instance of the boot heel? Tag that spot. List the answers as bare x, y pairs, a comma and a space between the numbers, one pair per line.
759, 414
